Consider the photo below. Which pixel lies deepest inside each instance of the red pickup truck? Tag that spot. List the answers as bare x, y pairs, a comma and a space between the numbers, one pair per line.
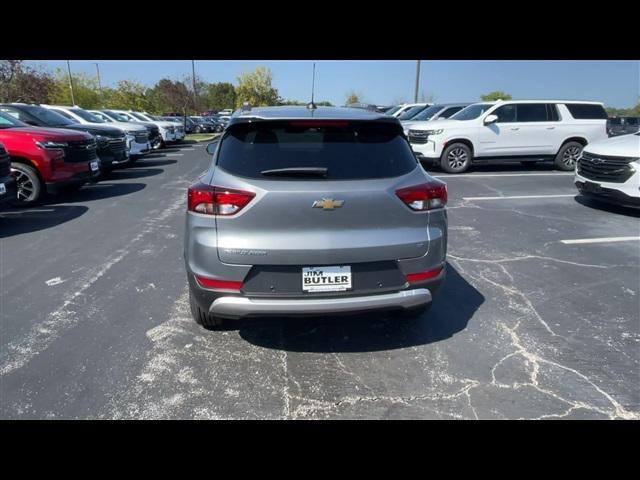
45, 159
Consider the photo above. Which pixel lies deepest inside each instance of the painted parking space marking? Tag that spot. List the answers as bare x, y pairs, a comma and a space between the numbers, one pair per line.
517, 197
600, 240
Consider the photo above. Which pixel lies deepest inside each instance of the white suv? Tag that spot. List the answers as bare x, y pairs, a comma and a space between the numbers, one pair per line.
167, 129
136, 135
407, 106
516, 130
610, 170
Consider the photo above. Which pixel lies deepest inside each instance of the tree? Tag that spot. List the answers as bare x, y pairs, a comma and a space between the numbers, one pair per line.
495, 95
128, 94
219, 96
19, 83
255, 88
353, 97
85, 90
169, 95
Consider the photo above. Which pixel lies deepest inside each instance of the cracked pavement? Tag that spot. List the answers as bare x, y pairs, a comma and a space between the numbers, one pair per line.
525, 327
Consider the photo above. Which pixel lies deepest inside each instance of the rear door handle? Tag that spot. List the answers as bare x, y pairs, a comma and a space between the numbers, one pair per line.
515, 128
550, 128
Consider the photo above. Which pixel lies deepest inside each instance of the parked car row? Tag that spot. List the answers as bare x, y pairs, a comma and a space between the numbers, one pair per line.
573, 135
526, 131
48, 148
622, 125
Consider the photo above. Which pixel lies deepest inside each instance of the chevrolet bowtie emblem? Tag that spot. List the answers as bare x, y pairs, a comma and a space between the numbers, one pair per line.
328, 203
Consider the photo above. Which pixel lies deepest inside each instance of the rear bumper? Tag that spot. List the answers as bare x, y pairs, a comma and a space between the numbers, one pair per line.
239, 307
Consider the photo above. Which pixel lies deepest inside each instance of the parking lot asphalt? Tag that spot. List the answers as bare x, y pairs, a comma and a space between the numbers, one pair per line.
96, 323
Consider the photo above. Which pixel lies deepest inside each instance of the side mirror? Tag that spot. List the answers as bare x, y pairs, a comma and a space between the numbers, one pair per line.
211, 148
489, 119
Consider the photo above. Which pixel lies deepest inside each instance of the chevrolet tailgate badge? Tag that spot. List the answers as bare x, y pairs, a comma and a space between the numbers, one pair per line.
328, 203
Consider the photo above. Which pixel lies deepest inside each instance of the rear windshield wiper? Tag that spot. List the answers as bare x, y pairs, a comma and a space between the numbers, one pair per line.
297, 171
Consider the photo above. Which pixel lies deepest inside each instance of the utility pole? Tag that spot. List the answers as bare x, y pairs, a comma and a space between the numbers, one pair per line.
73, 100
193, 78
415, 96
99, 84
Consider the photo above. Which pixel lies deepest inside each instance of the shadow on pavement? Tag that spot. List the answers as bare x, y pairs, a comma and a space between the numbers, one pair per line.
96, 191
131, 173
607, 207
152, 162
504, 167
450, 313
18, 221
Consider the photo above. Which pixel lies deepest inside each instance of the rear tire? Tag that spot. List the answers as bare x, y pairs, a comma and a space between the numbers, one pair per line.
456, 158
200, 316
568, 156
30, 187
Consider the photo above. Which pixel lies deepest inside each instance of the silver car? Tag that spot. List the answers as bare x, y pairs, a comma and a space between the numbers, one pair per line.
313, 211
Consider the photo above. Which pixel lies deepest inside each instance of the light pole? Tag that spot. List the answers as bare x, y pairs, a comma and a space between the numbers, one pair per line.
415, 96
73, 100
99, 84
193, 78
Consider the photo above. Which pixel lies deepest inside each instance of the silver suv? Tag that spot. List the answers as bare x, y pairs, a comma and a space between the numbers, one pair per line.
313, 211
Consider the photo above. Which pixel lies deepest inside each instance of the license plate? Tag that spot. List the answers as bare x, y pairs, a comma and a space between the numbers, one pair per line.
592, 187
3, 189
326, 279
94, 166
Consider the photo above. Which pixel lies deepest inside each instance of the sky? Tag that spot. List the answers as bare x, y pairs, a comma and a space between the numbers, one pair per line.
385, 82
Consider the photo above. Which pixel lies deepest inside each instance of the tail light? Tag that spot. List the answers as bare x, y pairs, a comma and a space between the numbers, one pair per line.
424, 197
422, 276
212, 200
218, 284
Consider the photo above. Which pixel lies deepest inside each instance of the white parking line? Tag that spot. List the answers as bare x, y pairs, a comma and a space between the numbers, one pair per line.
518, 197
506, 175
600, 240
173, 154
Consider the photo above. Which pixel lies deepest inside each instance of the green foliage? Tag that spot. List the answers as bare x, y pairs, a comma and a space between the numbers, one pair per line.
495, 95
128, 94
218, 96
624, 112
85, 90
169, 96
19, 83
255, 87
353, 97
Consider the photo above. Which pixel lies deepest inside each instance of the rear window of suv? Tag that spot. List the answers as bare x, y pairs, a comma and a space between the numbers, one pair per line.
348, 150
586, 111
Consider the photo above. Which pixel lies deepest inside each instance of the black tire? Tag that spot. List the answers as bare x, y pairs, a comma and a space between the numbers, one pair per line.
528, 163
456, 158
30, 186
203, 318
417, 312
568, 156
